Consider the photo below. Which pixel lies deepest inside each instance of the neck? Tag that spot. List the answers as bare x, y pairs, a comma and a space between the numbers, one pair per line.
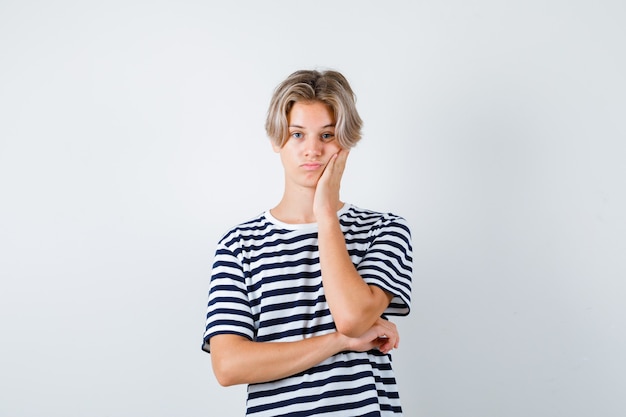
297, 207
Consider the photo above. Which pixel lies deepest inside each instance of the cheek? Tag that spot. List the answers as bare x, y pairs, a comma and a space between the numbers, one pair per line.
333, 148
288, 156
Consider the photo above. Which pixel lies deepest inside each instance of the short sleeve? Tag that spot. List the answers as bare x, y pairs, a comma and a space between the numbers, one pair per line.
388, 262
229, 309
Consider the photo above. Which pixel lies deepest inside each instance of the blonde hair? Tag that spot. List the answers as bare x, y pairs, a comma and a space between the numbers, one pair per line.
328, 87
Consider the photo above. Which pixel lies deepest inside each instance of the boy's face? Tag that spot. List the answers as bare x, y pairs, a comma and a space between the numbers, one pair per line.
310, 145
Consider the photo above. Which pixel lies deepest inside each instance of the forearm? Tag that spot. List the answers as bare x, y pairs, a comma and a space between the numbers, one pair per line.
237, 360
354, 304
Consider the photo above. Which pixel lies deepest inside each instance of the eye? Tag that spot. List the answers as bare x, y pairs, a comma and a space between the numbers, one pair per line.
327, 137
297, 135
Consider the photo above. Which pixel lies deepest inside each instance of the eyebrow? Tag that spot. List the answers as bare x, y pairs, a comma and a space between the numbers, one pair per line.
302, 127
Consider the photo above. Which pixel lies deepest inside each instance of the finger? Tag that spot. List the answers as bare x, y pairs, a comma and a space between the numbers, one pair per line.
343, 153
391, 342
330, 165
341, 159
391, 333
385, 347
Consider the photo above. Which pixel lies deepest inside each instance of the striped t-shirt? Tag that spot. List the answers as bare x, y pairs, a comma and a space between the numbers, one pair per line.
266, 285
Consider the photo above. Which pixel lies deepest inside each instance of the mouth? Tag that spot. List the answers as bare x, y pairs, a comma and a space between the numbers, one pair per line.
311, 166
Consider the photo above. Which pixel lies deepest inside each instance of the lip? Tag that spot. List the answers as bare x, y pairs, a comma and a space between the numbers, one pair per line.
311, 166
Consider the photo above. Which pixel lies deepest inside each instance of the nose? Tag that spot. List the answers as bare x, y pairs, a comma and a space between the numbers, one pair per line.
313, 146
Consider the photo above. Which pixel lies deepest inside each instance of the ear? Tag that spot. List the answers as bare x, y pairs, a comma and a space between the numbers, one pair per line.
275, 147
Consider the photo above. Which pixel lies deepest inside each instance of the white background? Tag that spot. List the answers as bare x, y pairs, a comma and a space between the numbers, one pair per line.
131, 138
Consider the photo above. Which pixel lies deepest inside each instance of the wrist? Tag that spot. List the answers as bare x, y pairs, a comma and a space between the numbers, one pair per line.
342, 342
327, 212
326, 218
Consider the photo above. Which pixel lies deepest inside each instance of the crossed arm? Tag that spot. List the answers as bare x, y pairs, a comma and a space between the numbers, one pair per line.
237, 360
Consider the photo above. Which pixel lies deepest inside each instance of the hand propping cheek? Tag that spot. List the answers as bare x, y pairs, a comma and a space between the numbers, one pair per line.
334, 169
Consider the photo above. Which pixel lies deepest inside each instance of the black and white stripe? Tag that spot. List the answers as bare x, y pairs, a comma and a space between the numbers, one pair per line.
266, 285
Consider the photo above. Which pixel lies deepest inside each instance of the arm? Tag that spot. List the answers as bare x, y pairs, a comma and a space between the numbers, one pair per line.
237, 360
354, 304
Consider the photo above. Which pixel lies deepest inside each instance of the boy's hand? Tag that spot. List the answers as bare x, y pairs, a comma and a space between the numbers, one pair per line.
326, 199
383, 335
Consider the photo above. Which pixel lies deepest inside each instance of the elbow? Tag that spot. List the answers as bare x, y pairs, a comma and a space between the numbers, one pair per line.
223, 379
354, 318
228, 360
352, 325
223, 373
225, 382
354, 321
